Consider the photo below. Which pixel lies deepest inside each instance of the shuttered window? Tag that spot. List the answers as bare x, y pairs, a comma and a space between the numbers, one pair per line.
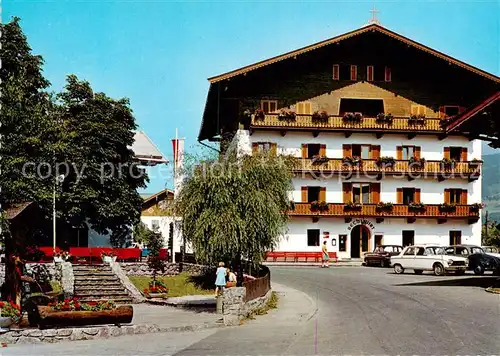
369, 73
346, 192
354, 72
408, 152
388, 74
456, 196
304, 108
361, 193
418, 110
269, 106
264, 147
336, 72
375, 193
375, 151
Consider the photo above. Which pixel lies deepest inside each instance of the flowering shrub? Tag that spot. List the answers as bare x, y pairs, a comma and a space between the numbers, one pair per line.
156, 287
353, 117
107, 254
416, 119
319, 206
10, 310
62, 254
355, 161
448, 208
386, 161
75, 305
416, 162
320, 116
384, 206
476, 207
352, 206
259, 114
383, 118
447, 163
416, 207
286, 115
318, 159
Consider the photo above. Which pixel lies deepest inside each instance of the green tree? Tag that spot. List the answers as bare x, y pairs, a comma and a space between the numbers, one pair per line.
235, 208
103, 175
25, 129
491, 236
155, 243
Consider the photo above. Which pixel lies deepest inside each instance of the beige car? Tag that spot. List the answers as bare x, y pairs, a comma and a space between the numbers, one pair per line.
433, 258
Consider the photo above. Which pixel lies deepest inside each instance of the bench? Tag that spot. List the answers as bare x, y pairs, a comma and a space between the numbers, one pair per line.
292, 257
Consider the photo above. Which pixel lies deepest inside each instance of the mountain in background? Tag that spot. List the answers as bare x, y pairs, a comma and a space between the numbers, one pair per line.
491, 183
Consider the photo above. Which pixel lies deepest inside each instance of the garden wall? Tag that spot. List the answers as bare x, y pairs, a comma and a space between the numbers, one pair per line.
142, 269
236, 308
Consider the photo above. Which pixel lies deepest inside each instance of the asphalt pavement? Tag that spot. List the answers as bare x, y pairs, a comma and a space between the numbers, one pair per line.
335, 311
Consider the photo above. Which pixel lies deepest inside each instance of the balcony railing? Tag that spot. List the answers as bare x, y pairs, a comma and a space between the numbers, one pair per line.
337, 123
404, 167
397, 210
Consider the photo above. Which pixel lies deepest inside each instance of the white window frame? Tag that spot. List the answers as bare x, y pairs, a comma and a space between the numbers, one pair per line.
269, 102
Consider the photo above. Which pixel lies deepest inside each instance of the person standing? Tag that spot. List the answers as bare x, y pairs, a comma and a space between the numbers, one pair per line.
324, 255
220, 280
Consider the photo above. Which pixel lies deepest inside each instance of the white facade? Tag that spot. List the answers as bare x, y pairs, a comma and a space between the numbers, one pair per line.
163, 225
389, 231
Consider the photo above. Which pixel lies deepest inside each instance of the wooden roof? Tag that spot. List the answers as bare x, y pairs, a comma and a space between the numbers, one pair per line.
473, 111
368, 28
159, 196
16, 209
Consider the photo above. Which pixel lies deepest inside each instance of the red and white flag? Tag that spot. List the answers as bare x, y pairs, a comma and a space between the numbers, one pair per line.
178, 147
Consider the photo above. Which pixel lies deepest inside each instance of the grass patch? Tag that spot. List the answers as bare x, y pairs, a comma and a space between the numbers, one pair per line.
272, 303
178, 286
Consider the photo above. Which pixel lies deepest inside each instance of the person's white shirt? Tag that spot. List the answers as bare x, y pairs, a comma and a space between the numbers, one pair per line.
232, 277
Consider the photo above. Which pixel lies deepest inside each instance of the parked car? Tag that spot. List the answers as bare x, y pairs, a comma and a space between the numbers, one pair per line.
491, 250
421, 258
479, 261
381, 256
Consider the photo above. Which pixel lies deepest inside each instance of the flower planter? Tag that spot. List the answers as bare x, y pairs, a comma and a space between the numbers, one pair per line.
5, 323
155, 295
48, 317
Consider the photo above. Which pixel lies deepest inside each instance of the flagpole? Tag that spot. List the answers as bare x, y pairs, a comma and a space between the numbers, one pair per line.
176, 154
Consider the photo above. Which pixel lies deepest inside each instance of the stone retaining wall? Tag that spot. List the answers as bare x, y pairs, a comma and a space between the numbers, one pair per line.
142, 269
236, 309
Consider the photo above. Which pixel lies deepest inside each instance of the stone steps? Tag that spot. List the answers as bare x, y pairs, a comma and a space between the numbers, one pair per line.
94, 285
117, 300
110, 290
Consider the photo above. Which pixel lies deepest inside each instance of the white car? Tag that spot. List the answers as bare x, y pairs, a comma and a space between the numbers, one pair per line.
421, 258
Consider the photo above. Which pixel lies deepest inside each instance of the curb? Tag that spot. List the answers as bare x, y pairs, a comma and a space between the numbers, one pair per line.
36, 336
298, 264
313, 302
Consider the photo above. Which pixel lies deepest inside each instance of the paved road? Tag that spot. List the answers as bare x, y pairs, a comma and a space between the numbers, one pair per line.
371, 311
361, 311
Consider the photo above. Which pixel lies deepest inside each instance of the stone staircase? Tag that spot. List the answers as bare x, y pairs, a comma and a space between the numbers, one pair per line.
98, 282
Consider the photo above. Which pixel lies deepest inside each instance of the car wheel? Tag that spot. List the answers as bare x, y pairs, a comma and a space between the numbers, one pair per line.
398, 269
438, 269
418, 271
479, 270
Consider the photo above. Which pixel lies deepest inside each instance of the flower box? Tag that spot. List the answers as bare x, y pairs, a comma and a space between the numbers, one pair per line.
5, 323
388, 162
416, 207
416, 120
286, 115
474, 163
320, 117
352, 206
352, 161
384, 119
416, 163
259, 114
351, 117
447, 208
447, 163
48, 317
474, 208
384, 206
319, 159
319, 206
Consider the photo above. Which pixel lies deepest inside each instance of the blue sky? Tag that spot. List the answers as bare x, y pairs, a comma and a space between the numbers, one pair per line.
160, 53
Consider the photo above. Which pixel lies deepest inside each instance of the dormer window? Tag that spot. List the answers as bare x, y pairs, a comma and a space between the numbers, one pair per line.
354, 72
369, 73
336, 72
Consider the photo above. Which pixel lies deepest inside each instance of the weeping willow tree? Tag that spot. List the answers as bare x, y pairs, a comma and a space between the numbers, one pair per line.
234, 208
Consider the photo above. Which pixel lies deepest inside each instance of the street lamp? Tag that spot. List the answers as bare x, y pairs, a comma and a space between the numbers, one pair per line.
59, 179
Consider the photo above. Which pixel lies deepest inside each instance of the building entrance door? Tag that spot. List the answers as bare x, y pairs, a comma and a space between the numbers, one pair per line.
360, 241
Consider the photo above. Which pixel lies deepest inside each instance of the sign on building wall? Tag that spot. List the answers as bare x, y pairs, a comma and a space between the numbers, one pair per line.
357, 222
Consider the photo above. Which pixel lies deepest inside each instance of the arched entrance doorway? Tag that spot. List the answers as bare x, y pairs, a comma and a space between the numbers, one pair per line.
360, 240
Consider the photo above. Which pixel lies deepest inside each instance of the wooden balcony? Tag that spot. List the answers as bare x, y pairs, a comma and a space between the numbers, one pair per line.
337, 123
467, 170
430, 211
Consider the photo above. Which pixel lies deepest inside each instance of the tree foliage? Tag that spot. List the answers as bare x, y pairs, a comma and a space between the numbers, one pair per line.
101, 185
154, 240
491, 236
236, 207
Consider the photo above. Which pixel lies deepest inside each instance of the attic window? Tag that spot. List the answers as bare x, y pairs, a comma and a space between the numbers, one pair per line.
269, 106
417, 110
369, 73
304, 108
388, 74
354, 72
336, 72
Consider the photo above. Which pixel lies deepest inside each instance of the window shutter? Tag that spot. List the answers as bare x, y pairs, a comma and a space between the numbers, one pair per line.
369, 73
447, 152
273, 106
417, 152
347, 150
304, 194
399, 153
442, 112
346, 189
322, 194
447, 196
265, 106
388, 74
421, 110
274, 149
375, 151
399, 196
308, 108
417, 195
414, 109
336, 72
463, 197
300, 108
255, 147
354, 72
463, 156
304, 150
322, 150
375, 192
